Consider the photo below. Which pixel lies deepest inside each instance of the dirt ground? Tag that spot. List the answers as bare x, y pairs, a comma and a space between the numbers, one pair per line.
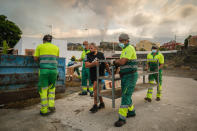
175, 112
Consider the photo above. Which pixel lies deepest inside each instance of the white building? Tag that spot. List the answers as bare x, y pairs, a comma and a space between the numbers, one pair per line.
26, 44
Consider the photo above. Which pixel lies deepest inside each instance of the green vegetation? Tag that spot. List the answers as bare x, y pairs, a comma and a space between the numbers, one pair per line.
10, 32
186, 42
5, 47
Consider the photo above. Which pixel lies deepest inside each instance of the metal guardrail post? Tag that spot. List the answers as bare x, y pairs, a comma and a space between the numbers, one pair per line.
157, 75
143, 71
97, 75
113, 88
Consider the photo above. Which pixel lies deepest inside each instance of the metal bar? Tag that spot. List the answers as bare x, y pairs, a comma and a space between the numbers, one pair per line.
143, 70
138, 60
97, 74
158, 75
113, 88
104, 60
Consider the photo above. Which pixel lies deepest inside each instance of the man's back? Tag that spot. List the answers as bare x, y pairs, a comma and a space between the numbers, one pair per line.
47, 49
47, 53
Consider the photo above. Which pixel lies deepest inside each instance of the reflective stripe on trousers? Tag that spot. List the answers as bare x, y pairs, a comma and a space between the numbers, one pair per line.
150, 91
128, 83
123, 110
51, 97
84, 88
47, 99
91, 88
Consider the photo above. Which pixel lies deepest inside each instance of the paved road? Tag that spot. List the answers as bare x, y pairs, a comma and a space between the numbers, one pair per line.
176, 112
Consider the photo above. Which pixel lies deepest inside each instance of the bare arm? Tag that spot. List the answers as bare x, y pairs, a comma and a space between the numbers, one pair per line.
147, 67
121, 61
89, 65
161, 66
80, 60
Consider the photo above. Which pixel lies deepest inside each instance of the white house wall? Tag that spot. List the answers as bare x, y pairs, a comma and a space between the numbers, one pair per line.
32, 43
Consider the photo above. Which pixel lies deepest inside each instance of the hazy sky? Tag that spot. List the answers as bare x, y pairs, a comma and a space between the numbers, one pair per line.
142, 19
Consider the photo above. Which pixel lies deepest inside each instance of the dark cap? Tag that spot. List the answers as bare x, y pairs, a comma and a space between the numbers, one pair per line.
124, 36
47, 38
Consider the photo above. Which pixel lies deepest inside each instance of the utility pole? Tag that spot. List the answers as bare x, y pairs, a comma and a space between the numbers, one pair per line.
86, 29
175, 38
51, 27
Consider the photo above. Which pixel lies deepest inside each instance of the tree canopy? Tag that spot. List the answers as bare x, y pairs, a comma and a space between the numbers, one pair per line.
9, 32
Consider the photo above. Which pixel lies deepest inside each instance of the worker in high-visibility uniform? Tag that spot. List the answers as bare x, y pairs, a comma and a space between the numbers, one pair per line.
153, 66
129, 76
85, 72
71, 63
47, 54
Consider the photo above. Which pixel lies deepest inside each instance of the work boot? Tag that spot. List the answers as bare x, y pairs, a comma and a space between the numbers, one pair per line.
131, 114
91, 94
83, 93
44, 114
157, 99
119, 123
94, 109
147, 99
101, 105
51, 109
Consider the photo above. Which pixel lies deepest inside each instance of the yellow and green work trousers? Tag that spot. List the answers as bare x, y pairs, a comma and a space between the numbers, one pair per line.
46, 88
85, 77
128, 83
151, 78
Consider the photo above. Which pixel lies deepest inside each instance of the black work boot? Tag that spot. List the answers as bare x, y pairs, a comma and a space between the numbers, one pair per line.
51, 109
131, 114
83, 93
94, 109
91, 94
147, 99
101, 105
119, 123
157, 99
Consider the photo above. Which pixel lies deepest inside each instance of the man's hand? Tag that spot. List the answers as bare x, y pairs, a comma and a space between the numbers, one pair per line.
113, 62
146, 69
161, 66
36, 58
96, 63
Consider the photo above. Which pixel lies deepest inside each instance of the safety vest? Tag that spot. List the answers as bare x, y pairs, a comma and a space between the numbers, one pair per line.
129, 53
47, 54
83, 56
153, 62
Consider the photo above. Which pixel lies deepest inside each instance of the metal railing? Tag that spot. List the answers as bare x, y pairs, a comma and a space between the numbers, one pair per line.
113, 78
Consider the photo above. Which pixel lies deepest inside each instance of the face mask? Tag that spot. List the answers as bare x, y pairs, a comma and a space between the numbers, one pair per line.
154, 51
121, 45
83, 47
